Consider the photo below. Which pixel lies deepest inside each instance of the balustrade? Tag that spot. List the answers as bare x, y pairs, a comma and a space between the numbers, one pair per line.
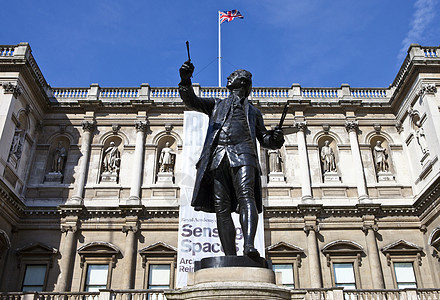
270, 92
70, 92
431, 52
214, 92
7, 50
119, 93
138, 295
165, 92
319, 92
368, 93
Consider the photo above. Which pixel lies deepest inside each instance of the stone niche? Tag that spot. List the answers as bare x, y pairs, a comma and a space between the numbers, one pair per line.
56, 162
328, 156
380, 150
111, 160
166, 161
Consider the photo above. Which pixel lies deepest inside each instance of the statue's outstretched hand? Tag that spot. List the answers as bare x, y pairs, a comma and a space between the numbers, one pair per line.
186, 71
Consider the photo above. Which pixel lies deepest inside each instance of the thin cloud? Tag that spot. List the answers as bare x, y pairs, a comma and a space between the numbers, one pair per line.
423, 15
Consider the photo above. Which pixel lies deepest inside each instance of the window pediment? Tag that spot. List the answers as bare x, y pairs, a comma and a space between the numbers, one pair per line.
99, 248
36, 248
342, 247
99, 252
36, 252
159, 248
402, 248
434, 239
283, 248
158, 251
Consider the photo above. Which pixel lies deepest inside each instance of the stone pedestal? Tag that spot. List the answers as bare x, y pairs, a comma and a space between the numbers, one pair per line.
276, 177
385, 177
331, 177
109, 177
53, 177
165, 178
231, 283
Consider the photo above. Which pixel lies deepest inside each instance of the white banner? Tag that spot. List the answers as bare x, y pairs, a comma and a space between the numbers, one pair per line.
198, 234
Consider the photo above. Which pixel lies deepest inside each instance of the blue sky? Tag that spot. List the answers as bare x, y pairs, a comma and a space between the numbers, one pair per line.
315, 43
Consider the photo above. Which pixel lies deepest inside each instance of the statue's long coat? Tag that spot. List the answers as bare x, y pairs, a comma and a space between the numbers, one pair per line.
217, 110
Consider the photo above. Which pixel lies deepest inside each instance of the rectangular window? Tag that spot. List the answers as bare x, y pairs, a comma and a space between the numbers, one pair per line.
34, 278
344, 275
159, 276
286, 271
96, 278
405, 276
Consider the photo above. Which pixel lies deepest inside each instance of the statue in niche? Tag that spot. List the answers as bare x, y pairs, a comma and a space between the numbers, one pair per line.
275, 161
112, 159
16, 147
328, 158
59, 157
421, 138
380, 157
167, 159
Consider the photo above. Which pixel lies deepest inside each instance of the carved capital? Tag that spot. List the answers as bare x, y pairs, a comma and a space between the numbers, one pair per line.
141, 125
88, 126
67, 228
128, 228
352, 126
427, 88
367, 227
10, 88
301, 126
308, 228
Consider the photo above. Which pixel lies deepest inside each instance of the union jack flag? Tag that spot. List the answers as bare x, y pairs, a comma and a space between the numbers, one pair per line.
228, 16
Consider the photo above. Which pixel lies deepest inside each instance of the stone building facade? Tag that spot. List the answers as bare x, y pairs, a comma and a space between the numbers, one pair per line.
89, 181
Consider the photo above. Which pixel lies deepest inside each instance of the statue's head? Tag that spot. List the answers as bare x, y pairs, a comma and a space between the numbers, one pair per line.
240, 79
378, 143
326, 142
112, 144
167, 144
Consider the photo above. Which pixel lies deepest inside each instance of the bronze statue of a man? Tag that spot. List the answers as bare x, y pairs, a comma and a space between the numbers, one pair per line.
228, 171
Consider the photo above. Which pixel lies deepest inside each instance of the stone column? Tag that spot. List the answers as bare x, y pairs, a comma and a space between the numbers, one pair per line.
77, 198
306, 186
310, 229
135, 190
369, 228
352, 128
68, 255
130, 252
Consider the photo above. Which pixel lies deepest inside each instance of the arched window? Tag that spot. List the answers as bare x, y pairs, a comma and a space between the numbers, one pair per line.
344, 259
97, 261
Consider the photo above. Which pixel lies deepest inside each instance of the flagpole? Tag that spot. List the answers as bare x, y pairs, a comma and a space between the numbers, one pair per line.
219, 53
